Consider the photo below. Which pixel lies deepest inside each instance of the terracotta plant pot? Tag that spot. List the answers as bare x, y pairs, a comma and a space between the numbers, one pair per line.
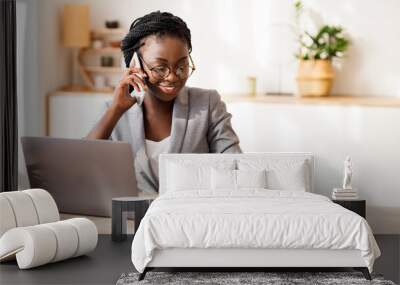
315, 77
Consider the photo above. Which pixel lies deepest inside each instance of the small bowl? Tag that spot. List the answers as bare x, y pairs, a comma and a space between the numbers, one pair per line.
112, 24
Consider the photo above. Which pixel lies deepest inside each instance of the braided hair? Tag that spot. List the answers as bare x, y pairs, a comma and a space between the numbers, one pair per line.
156, 23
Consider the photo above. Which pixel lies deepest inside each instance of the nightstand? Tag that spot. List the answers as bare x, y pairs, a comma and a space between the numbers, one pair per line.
120, 208
357, 206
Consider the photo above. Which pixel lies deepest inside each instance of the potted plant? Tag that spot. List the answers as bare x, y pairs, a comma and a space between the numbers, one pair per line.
316, 74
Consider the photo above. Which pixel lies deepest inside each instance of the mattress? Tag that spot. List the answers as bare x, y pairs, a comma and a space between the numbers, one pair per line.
250, 219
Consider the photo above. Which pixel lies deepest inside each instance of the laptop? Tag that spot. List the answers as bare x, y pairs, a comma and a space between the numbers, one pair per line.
82, 175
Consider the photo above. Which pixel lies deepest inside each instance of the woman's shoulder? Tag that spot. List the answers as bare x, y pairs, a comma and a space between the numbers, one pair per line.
202, 92
202, 96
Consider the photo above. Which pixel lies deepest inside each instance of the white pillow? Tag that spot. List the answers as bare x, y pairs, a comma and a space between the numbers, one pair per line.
251, 178
181, 177
225, 179
293, 178
185, 175
281, 174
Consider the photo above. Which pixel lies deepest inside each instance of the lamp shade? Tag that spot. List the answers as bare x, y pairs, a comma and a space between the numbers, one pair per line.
76, 30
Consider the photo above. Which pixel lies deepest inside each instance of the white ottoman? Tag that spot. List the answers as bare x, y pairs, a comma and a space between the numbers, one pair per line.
31, 232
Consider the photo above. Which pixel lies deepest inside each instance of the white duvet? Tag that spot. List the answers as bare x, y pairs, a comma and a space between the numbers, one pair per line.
253, 218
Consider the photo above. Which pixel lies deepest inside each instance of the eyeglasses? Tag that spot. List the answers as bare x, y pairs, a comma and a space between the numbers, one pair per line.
160, 72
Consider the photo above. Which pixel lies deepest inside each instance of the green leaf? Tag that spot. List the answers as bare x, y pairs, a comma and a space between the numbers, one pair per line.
328, 40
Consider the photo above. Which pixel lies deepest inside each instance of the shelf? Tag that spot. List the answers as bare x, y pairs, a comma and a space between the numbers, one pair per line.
104, 32
368, 101
103, 69
371, 101
105, 50
77, 90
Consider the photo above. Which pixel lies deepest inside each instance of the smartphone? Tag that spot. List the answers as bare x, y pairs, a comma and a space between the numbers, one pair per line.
139, 95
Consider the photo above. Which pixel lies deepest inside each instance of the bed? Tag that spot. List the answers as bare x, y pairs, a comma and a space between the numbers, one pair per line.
248, 210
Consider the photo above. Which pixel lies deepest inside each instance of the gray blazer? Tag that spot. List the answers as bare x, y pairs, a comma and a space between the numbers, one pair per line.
200, 124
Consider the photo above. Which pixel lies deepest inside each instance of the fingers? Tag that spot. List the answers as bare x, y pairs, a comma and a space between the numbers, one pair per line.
138, 80
136, 70
129, 81
135, 77
133, 84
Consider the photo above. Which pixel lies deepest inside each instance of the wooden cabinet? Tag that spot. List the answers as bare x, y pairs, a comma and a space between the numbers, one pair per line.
73, 114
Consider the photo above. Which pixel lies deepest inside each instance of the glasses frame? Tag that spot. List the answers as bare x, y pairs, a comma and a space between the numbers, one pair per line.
191, 64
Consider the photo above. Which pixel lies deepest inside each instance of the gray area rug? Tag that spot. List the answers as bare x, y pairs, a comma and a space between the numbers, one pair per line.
229, 278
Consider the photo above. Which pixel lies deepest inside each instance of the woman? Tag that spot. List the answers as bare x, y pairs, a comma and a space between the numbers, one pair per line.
172, 118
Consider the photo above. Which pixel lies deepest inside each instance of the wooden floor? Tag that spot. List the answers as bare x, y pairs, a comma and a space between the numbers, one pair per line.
111, 259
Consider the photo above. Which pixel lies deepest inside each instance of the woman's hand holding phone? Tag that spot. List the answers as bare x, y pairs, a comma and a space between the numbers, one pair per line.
122, 101
134, 77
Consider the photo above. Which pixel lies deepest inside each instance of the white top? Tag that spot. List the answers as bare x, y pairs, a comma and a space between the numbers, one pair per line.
154, 149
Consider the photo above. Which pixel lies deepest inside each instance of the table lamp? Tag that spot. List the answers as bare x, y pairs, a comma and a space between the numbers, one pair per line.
76, 34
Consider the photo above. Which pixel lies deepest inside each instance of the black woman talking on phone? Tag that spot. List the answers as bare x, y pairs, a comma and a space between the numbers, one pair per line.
171, 118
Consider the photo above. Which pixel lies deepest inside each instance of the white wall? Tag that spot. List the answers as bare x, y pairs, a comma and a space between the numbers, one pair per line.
42, 66
233, 39
368, 134
29, 97
55, 61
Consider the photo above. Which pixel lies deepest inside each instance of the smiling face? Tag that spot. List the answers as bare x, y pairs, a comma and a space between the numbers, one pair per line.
160, 52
